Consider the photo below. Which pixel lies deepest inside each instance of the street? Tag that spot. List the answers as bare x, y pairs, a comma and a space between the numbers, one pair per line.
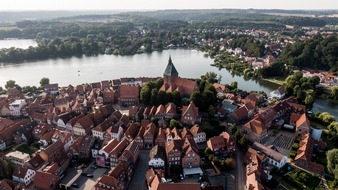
240, 170
139, 176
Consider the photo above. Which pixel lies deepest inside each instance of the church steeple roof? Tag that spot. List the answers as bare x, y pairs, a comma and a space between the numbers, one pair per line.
170, 70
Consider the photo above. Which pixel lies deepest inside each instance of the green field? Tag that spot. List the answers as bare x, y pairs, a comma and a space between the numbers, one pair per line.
7, 27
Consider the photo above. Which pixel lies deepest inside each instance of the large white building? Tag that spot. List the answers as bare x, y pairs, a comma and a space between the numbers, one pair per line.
275, 158
18, 158
16, 106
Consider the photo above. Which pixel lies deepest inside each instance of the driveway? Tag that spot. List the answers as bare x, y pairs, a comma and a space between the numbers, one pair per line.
139, 177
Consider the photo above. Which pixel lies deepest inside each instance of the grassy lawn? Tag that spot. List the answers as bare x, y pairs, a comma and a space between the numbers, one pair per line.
7, 28
296, 179
276, 80
25, 148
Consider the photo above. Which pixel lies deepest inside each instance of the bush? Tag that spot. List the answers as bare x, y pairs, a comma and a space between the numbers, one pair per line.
295, 146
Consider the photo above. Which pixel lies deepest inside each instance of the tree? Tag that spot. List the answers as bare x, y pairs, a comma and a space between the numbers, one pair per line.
227, 164
234, 85
326, 118
176, 98
173, 123
145, 94
332, 162
196, 98
207, 151
233, 129
243, 142
334, 92
210, 77
6, 168
211, 111
161, 97
333, 128
308, 101
314, 81
44, 81
154, 120
153, 98
237, 135
10, 84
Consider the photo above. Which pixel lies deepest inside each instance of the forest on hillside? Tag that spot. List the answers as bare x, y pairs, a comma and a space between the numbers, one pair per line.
316, 53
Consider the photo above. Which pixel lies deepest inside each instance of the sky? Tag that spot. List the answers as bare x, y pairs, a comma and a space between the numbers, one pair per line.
13, 5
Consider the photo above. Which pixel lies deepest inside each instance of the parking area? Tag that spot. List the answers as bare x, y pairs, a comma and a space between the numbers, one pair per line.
283, 141
75, 177
85, 182
218, 181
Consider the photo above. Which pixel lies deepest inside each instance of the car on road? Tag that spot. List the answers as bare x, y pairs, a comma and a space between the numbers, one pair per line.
93, 166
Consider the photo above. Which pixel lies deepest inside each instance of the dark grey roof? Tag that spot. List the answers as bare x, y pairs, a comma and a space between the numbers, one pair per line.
170, 70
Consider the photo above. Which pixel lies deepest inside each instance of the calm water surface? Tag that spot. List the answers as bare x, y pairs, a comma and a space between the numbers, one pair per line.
75, 70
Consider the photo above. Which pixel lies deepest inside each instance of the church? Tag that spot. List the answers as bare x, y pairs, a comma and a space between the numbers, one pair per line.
172, 82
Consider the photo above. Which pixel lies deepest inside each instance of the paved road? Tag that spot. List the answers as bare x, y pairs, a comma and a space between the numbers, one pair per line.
240, 170
139, 177
231, 181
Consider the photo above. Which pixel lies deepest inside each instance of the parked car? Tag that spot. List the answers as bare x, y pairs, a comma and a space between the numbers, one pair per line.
84, 174
90, 175
75, 185
93, 166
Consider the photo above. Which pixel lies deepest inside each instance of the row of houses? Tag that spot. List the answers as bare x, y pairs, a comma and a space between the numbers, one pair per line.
44, 169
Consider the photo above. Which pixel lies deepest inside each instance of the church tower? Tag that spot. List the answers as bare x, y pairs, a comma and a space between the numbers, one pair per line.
170, 74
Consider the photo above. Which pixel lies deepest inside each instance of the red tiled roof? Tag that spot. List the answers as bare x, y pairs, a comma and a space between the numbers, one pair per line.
192, 108
129, 92
4, 123
241, 112
133, 110
160, 110
252, 97
196, 130
303, 120
294, 117
132, 131
45, 181
51, 85
102, 127
20, 171
85, 122
55, 147
119, 148
150, 130
110, 146
216, 142
220, 87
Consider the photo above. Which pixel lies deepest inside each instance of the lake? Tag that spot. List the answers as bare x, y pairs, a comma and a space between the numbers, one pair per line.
79, 70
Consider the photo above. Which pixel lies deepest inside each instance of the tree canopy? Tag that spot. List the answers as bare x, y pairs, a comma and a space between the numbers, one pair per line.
332, 162
316, 53
44, 81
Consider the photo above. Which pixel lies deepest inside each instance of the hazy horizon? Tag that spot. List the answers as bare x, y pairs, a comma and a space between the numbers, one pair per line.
137, 5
